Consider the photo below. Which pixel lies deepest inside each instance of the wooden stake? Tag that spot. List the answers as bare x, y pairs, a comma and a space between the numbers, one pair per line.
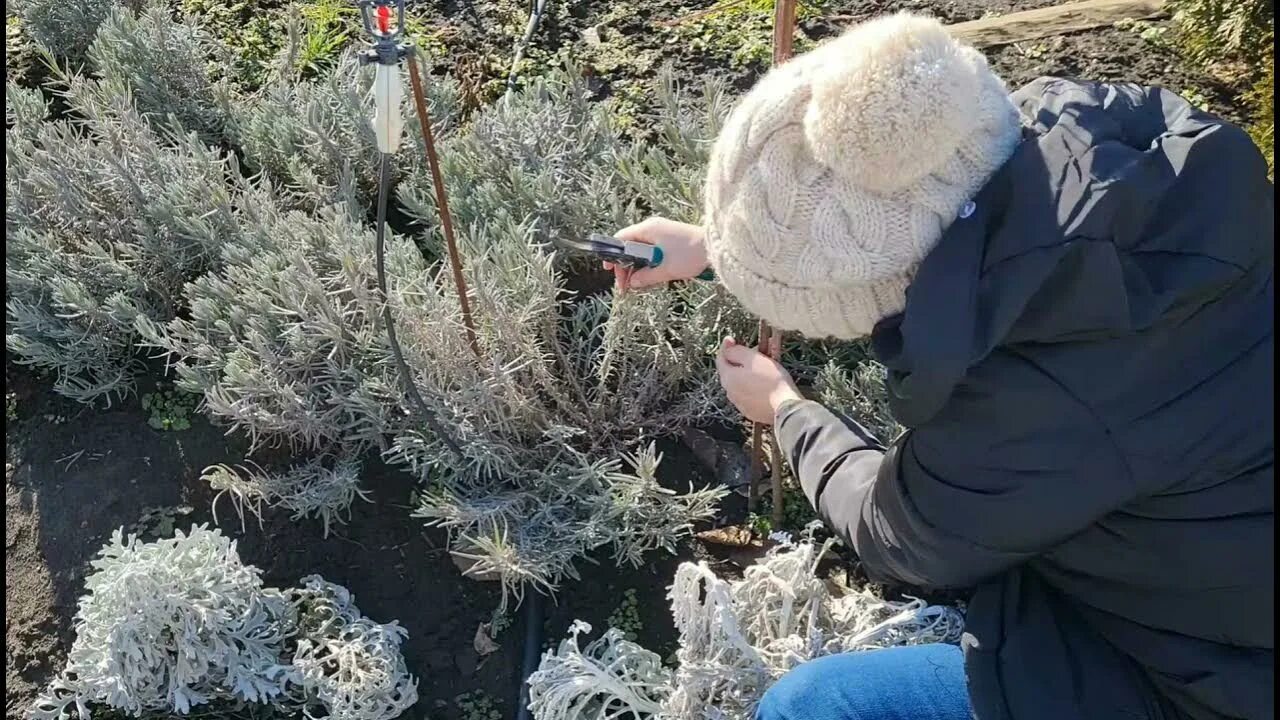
784, 30
770, 343
757, 434
442, 201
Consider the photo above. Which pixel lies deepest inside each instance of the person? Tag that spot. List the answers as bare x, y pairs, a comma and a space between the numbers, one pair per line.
1071, 290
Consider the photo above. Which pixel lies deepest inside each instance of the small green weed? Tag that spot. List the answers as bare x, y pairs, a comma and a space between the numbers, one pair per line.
797, 513
330, 25
499, 622
626, 617
1155, 33
159, 522
478, 705
170, 409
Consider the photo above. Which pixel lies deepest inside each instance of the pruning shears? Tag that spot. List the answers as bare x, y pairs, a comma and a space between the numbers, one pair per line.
628, 255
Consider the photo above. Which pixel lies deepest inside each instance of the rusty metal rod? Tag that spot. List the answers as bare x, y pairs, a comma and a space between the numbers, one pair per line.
442, 202
763, 335
775, 453
770, 340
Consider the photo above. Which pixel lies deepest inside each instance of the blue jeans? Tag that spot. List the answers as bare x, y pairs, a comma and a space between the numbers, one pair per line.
917, 682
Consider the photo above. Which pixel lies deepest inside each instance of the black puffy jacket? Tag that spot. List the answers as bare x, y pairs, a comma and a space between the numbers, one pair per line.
1085, 368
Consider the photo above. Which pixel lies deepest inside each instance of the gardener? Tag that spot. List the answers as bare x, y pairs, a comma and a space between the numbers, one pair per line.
1072, 291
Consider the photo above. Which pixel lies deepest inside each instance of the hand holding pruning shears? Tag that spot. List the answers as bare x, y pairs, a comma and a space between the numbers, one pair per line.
649, 253
683, 256
659, 251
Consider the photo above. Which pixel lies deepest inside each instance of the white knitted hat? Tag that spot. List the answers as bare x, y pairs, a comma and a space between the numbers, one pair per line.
839, 171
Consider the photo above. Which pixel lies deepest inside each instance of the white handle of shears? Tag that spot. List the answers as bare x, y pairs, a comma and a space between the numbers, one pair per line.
387, 123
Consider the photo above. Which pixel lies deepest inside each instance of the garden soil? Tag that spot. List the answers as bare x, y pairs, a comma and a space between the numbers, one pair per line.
74, 474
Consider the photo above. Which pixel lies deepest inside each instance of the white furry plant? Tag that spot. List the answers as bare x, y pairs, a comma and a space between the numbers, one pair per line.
172, 625
736, 637
105, 219
169, 625
348, 666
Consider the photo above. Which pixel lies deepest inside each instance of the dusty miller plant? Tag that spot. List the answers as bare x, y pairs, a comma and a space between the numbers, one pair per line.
348, 667
171, 625
736, 637
106, 218
179, 623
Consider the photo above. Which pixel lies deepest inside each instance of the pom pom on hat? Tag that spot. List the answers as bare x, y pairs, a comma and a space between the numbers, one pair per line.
835, 176
893, 79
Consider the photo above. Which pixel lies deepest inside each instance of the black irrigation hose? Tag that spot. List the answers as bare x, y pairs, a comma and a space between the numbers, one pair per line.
406, 375
532, 649
533, 607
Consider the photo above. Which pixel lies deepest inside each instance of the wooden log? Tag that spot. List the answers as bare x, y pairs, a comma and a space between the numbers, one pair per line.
1055, 20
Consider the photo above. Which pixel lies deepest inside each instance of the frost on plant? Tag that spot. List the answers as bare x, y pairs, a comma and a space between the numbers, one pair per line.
736, 637
348, 666
105, 220
611, 678
170, 625
180, 624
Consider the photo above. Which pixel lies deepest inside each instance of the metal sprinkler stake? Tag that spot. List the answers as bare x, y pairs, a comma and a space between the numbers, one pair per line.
387, 52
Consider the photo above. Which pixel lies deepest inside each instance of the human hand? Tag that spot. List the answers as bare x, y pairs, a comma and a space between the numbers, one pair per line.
755, 383
684, 255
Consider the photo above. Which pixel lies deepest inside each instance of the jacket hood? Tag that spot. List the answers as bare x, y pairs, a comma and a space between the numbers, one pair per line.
1123, 207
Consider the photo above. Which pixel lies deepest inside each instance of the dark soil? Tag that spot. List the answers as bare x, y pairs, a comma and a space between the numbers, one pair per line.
74, 475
